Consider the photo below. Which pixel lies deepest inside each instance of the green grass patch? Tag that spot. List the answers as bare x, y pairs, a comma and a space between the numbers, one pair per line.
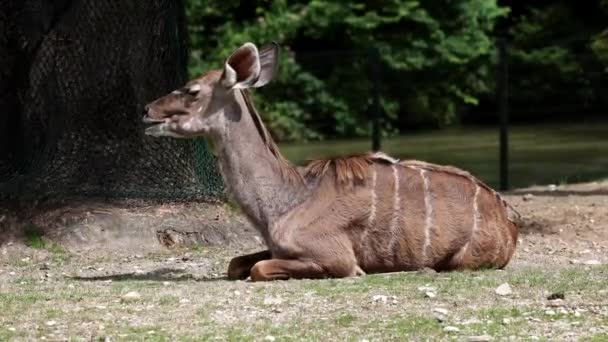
33, 237
168, 300
345, 320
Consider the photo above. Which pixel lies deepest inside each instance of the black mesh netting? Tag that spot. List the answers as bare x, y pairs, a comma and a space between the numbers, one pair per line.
74, 77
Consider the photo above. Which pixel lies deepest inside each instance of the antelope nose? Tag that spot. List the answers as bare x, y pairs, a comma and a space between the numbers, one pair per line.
146, 110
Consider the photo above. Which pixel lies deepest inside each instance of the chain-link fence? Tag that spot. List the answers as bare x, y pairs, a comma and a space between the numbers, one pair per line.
75, 76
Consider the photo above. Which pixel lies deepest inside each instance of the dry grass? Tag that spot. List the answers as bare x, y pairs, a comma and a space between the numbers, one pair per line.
184, 297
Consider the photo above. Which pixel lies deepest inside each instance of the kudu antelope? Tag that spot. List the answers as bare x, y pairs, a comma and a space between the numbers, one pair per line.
335, 217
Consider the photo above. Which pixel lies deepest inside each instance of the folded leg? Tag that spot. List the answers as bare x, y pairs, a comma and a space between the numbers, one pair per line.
240, 267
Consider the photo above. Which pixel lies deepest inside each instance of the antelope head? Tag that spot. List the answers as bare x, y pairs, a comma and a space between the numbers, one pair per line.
199, 108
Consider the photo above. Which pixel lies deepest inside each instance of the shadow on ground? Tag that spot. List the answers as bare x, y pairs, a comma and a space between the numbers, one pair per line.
163, 274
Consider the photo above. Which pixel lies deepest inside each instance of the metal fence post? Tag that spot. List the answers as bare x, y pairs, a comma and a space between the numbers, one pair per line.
375, 111
503, 103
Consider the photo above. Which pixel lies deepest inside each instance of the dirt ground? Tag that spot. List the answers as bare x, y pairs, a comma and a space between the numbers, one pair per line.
164, 280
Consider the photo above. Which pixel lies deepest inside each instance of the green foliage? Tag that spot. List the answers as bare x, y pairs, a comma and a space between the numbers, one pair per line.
437, 59
434, 58
553, 60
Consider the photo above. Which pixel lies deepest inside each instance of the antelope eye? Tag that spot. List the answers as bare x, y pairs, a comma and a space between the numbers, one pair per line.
194, 89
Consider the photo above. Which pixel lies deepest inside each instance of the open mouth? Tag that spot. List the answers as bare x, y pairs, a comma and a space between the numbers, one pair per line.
153, 127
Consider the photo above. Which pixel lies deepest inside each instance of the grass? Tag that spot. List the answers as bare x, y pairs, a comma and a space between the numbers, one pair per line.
547, 154
310, 310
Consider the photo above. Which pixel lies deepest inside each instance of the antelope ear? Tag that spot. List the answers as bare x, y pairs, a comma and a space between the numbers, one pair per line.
247, 67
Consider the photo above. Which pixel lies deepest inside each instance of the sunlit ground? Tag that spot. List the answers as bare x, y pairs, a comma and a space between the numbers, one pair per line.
542, 154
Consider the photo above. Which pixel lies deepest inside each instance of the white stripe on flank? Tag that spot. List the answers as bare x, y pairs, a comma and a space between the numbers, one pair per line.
475, 221
428, 222
396, 208
475, 211
372, 213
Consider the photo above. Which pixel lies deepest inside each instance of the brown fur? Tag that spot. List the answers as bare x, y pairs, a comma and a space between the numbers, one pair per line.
336, 217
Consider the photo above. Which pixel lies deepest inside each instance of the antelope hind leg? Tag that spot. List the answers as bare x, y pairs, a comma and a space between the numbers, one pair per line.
240, 267
283, 269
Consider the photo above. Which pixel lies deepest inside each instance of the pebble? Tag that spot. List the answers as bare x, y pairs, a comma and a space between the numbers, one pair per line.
504, 290
51, 323
592, 262
12, 329
272, 301
450, 328
552, 187
269, 338
379, 298
556, 302
430, 294
441, 311
131, 296
237, 293
184, 301
427, 289
480, 338
166, 283
550, 312
528, 197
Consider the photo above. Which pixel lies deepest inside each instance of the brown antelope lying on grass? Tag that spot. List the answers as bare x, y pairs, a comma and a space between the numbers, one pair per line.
336, 217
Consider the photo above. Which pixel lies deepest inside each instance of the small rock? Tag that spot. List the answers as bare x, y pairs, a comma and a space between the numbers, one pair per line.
51, 323
429, 294
71, 286
272, 301
440, 318
237, 293
528, 197
11, 273
480, 338
269, 338
166, 283
45, 267
592, 262
379, 298
427, 289
450, 328
556, 303
12, 329
552, 187
131, 296
550, 312
184, 301
139, 272
504, 290
441, 311
577, 314
586, 251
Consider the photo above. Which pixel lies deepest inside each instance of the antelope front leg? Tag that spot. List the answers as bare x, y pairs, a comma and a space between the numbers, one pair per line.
240, 267
283, 269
